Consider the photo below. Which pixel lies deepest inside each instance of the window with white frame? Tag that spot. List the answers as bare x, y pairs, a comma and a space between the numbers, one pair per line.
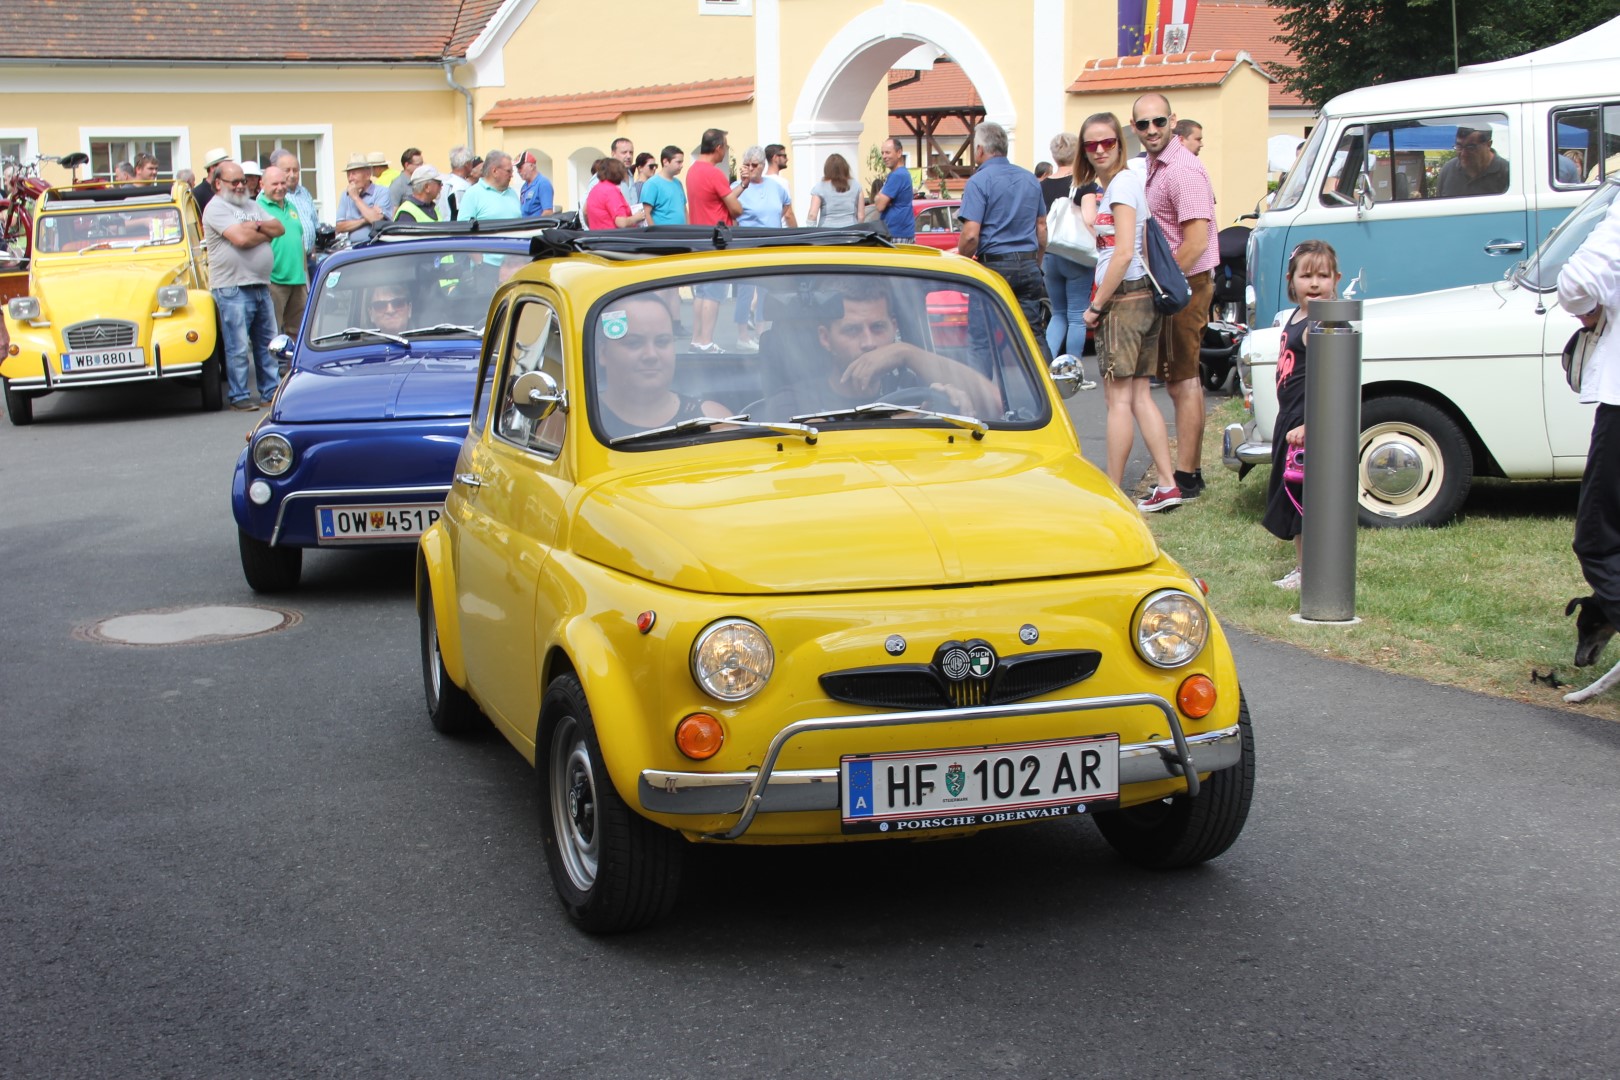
725, 7
107, 153
306, 148
13, 152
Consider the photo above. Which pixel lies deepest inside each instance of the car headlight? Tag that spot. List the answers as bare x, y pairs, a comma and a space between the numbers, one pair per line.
1171, 628
732, 659
172, 297
273, 454
24, 308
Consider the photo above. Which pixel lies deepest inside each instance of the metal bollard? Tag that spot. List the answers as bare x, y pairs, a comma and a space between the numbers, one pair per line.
1332, 444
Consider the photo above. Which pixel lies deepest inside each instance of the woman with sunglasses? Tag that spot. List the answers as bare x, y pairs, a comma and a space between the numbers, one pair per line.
1122, 308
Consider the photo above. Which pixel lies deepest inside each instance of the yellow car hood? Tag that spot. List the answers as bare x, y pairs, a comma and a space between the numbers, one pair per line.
827, 523
124, 289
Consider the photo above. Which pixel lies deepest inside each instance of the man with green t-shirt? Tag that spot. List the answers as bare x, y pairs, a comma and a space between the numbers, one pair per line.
289, 274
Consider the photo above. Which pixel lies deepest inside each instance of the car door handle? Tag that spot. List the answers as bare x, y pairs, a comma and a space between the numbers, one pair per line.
469, 479
1504, 247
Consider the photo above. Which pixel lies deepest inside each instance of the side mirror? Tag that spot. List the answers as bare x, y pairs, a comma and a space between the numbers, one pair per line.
535, 395
1067, 373
1364, 194
281, 347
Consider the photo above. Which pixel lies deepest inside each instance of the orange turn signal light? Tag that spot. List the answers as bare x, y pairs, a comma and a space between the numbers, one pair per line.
699, 736
191, 336
1196, 698
13, 350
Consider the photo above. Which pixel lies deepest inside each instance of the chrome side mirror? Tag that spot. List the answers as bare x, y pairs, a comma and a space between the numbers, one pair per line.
535, 395
1067, 373
281, 347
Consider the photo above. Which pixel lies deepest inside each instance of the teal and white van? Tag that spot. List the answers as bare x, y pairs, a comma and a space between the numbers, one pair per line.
1446, 181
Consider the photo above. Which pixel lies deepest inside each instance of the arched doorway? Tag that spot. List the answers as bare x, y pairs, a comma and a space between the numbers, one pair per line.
827, 116
579, 175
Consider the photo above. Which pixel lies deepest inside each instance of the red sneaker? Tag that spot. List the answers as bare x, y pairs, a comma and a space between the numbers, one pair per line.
1161, 499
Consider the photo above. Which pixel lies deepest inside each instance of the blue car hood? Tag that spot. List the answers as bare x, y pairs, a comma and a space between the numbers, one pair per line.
398, 388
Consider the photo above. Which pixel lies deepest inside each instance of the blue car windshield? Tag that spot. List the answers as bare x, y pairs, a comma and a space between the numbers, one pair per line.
433, 293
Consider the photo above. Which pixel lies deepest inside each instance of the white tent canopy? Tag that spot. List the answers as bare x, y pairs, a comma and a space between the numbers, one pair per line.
1599, 43
1281, 151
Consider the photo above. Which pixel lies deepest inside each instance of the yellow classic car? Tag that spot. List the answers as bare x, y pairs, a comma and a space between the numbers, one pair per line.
856, 583
117, 293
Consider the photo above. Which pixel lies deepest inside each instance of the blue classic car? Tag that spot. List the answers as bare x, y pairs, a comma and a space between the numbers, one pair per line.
361, 441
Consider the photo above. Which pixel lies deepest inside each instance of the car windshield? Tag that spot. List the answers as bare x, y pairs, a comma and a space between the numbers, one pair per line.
408, 294
1293, 184
120, 229
809, 348
1540, 271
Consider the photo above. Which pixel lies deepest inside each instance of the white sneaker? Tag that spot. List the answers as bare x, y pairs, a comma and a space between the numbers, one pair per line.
1289, 580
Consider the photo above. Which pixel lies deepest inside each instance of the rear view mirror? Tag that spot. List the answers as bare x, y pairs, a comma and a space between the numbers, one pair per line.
535, 395
1067, 373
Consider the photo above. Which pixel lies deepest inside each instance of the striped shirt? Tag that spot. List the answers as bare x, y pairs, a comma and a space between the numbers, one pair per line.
1178, 190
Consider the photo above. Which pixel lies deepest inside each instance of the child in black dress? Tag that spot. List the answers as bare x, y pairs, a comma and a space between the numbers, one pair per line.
1313, 274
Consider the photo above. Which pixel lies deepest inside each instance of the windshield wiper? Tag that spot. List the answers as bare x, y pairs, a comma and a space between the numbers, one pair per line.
888, 408
440, 328
357, 331
701, 423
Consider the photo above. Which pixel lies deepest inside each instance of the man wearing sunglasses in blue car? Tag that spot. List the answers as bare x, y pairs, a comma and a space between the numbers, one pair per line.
1182, 200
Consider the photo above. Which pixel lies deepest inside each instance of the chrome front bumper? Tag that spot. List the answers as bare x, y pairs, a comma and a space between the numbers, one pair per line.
1238, 449
770, 791
48, 381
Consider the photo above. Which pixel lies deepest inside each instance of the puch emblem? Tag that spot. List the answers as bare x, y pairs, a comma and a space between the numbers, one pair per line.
981, 661
959, 660
955, 779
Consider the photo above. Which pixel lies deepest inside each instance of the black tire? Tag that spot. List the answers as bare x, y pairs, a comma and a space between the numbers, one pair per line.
269, 569
19, 406
614, 870
1180, 832
213, 383
1414, 466
1213, 376
450, 708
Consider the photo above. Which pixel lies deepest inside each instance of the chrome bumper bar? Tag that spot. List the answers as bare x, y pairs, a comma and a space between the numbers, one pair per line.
1238, 450
112, 378
426, 492
767, 790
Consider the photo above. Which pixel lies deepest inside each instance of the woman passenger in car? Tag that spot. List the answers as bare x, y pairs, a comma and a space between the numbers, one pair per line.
635, 365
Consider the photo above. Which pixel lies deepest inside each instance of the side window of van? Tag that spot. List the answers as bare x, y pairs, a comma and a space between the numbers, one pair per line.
1437, 157
1588, 145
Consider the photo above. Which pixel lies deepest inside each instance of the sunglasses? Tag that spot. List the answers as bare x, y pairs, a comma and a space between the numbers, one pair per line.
1155, 121
390, 304
240, 182
1099, 145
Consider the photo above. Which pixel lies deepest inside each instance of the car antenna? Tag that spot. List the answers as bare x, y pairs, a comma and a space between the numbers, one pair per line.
1535, 196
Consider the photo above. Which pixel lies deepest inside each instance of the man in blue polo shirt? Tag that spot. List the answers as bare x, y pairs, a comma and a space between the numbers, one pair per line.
894, 201
1004, 222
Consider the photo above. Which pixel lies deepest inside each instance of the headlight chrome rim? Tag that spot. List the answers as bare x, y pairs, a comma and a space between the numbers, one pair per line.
1194, 634
172, 297
716, 655
272, 454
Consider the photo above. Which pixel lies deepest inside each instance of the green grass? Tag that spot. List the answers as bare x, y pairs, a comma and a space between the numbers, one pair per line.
1476, 604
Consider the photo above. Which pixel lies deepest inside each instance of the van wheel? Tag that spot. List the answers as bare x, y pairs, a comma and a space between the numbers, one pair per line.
1414, 466
19, 406
269, 569
614, 870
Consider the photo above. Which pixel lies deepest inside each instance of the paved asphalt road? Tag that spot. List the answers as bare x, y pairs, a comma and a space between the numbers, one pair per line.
256, 859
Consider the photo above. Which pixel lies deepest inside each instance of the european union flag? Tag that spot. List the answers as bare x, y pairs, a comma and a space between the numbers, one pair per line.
326, 524
860, 789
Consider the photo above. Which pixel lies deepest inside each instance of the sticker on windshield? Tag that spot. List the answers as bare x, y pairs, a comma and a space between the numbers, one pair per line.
614, 325
332, 279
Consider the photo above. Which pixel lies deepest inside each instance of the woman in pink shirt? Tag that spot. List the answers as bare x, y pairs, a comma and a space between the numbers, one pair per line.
605, 207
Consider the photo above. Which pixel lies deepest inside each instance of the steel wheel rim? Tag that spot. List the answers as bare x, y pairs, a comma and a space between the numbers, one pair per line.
573, 805
1431, 465
434, 664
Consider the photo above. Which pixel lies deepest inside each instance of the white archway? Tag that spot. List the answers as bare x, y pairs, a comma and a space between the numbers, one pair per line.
579, 176
827, 116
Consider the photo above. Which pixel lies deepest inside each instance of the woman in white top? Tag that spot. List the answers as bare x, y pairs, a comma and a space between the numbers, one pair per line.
836, 199
1122, 308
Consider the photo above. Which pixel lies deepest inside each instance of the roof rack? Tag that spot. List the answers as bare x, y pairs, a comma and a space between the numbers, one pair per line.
684, 239
406, 229
98, 191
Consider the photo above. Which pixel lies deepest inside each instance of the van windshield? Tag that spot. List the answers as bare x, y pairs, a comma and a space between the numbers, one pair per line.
1293, 184
1540, 271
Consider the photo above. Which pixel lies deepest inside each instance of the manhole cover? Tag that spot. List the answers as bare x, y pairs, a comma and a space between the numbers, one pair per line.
188, 625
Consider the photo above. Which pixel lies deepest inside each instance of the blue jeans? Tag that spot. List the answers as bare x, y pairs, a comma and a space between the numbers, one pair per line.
248, 321
1069, 285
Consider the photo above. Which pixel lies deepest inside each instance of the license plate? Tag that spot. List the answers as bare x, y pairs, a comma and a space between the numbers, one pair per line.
987, 785
103, 358
349, 524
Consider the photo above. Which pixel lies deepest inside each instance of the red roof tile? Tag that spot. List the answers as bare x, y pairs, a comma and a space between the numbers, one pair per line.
1250, 27
297, 30
1158, 72
609, 105
945, 86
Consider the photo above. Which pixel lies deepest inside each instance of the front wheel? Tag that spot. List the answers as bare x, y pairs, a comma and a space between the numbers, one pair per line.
19, 406
1172, 833
213, 384
1414, 466
614, 870
269, 569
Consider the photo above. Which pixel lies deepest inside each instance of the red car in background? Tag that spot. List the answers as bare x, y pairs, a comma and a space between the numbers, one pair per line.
937, 224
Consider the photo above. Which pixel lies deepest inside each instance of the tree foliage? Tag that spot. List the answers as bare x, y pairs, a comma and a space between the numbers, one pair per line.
1342, 44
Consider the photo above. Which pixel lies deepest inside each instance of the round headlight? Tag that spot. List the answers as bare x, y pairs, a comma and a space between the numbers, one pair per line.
273, 454
732, 659
1171, 628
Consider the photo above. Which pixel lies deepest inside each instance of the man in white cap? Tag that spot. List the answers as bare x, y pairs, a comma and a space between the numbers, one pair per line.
205, 187
421, 194
364, 204
255, 178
